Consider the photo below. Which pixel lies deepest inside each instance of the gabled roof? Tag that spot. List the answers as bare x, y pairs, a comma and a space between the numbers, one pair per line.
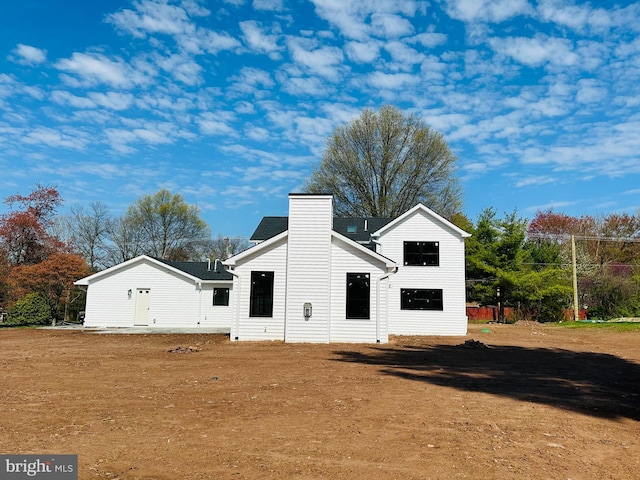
232, 261
430, 213
195, 271
269, 227
357, 229
202, 270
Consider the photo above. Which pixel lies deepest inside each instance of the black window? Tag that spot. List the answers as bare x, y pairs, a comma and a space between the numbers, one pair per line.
422, 253
421, 299
221, 296
261, 294
358, 295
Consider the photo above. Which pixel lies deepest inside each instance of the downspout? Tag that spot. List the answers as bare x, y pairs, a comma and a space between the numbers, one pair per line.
383, 277
199, 287
237, 312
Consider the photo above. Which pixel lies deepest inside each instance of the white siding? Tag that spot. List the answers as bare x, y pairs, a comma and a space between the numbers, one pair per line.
346, 258
448, 276
244, 327
308, 267
216, 316
175, 301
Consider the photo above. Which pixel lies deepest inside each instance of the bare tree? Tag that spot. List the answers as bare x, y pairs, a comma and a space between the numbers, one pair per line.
382, 164
90, 227
223, 247
124, 242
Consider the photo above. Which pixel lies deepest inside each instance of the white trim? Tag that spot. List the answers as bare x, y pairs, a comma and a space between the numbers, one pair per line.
142, 258
430, 213
390, 264
232, 261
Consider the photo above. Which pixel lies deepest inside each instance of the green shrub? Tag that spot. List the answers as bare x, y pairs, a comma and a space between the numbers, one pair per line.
30, 310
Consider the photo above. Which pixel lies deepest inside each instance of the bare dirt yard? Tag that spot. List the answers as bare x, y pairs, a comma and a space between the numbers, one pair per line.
527, 401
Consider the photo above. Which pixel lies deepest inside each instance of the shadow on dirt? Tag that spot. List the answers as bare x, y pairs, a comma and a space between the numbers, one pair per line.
595, 384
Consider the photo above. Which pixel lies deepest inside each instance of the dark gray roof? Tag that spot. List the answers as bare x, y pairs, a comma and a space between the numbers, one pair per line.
269, 227
358, 229
201, 270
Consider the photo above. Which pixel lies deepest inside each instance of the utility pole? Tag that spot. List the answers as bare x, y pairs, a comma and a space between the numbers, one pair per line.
576, 311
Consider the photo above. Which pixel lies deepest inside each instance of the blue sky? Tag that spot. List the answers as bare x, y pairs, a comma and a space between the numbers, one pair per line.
230, 102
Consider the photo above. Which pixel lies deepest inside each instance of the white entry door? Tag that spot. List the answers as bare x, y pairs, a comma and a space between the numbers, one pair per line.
143, 301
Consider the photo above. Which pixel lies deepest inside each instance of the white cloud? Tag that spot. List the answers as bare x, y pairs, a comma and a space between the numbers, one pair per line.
256, 38
214, 42
325, 61
392, 81
73, 139
403, 55
94, 69
535, 180
536, 51
308, 86
211, 123
362, 52
151, 17
268, 5
390, 26
181, 67
62, 97
494, 11
590, 91
351, 17
28, 55
429, 39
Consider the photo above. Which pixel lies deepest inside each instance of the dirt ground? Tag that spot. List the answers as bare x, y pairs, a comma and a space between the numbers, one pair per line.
531, 401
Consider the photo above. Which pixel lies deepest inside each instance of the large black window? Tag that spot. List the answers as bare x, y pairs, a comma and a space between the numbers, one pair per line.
221, 296
422, 253
261, 294
421, 299
358, 295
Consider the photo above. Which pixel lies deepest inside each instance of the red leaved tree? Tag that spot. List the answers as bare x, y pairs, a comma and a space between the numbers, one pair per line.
52, 278
24, 238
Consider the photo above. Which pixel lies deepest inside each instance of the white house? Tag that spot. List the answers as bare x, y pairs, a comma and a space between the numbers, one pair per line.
313, 278
146, 291
309, 278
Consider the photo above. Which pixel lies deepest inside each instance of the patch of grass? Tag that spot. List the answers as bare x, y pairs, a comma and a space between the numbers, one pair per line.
615, 326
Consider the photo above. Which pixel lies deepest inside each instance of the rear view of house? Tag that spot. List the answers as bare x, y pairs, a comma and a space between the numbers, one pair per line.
313, 278
309, 278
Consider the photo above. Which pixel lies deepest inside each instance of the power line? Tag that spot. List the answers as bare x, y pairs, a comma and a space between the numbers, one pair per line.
564, 236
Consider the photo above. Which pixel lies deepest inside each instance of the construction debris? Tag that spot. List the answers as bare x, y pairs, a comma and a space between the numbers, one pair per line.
473, 344
183, 349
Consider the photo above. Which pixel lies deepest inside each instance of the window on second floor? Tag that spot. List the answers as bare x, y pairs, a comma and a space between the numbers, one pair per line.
421, 299
422, 253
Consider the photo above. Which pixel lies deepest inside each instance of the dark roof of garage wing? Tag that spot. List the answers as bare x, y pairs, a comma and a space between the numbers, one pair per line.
202, 270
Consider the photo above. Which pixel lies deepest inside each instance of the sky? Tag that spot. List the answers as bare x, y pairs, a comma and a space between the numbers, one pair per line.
230, 103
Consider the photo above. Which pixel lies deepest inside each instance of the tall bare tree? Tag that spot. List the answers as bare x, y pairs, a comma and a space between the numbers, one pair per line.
90, 226
383, 163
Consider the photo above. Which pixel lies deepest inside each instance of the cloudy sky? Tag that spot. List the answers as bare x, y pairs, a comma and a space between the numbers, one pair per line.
230, 102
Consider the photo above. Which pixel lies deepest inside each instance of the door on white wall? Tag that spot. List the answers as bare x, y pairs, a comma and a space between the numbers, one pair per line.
143, 301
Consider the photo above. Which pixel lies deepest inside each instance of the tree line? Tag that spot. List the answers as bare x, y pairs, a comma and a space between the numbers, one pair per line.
43, 253
528, 264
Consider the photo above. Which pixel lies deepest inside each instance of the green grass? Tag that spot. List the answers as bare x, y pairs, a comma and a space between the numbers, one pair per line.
616, 326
